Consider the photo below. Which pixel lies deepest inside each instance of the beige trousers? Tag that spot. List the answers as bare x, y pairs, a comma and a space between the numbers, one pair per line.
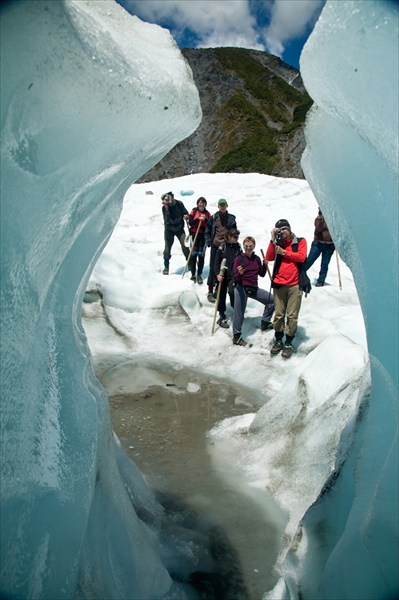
287, 302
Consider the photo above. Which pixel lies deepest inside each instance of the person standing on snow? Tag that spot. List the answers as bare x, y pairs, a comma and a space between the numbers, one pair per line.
288, 252
174, 214
247, 267
217, 226
197, 220
322, 244
228, 250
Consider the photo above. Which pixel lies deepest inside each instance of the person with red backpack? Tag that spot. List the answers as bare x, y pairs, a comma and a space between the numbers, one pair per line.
197, 222
288, 253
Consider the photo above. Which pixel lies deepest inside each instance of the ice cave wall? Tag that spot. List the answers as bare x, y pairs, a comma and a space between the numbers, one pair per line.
349, 538
91, 98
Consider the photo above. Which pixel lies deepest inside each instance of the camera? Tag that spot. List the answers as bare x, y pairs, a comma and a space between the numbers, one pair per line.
277, 236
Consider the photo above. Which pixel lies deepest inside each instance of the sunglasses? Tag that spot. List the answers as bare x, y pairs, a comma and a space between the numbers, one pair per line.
284, 229
248, 246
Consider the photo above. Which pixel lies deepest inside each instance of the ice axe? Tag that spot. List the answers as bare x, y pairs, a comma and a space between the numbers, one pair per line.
191, 251
339, 271
267, 266
223, 267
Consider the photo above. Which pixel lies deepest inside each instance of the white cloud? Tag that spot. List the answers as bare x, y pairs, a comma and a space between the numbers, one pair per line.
215, 22
230, 22
289, 20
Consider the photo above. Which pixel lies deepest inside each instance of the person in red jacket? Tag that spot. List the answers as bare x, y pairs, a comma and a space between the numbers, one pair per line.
197, 220
288, 252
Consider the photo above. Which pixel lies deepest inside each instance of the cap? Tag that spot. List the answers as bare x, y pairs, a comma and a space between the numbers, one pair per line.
222, 202
283, 223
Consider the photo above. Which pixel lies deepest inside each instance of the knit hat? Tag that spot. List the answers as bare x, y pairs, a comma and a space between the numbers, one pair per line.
283, 223
166, 196
222, 202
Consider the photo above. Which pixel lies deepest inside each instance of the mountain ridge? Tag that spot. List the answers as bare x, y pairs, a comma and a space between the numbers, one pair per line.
254, 108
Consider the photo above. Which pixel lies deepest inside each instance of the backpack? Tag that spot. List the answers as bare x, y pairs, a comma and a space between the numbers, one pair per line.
303, 280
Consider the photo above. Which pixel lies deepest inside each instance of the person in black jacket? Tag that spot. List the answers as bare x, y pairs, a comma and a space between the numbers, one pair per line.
217, 226
228, 250
174, 214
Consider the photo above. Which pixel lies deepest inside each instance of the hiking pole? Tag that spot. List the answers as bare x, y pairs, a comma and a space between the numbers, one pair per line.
223, 267
339, 271
191, 251
267, 266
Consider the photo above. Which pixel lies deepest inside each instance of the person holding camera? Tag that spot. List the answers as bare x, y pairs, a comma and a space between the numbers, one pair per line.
247, 267
216, 227
322, 244
288, 252
174, 214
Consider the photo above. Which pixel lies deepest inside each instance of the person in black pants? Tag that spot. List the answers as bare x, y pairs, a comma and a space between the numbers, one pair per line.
174, 214
228, 250
197, 221
216, 227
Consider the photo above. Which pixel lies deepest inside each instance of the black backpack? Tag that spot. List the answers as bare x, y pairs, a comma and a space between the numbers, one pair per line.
303, 280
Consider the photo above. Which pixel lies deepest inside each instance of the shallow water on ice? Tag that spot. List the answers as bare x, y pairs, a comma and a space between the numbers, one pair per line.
163, 430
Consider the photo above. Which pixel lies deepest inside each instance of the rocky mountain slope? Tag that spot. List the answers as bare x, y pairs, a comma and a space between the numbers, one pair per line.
254, 108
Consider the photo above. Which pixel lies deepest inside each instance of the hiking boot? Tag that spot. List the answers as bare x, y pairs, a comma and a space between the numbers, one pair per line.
319, 284
200, 280
287, 351
165, 271
238, 341
192, 278
277, 347
211, 297
265, 325
222, 322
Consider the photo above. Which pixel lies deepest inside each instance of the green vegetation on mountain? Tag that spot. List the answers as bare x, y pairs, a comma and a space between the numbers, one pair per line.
254, 108
248, 143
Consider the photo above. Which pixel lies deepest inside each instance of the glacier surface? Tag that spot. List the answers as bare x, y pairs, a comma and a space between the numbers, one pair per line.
91, 98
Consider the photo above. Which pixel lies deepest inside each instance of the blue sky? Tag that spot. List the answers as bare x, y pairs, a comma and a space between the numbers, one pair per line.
280, 27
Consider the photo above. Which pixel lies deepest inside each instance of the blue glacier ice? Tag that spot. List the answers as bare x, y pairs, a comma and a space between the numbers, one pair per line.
91, 98
77, 78
349, 546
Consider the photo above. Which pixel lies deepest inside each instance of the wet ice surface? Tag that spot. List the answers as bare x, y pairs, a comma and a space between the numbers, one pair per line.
163, 429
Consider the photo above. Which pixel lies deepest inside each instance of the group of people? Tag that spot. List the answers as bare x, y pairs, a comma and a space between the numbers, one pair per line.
234, 270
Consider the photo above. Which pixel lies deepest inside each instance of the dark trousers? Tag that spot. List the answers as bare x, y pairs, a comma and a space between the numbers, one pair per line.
225, 286
198, 252
326, 251
169, 239
211, 277
240, 304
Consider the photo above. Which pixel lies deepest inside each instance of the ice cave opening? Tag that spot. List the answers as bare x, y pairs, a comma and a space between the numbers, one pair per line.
82, 118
